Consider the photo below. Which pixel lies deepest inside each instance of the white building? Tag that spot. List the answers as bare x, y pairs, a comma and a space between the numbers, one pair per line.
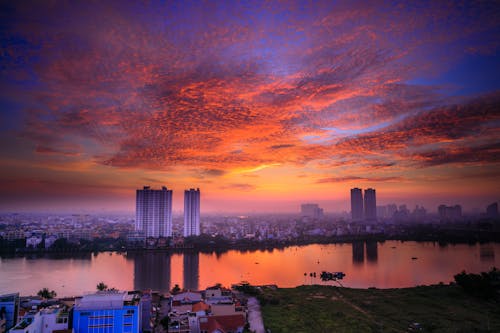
192, 212
44, 321
50, 240
34, 241
153, 214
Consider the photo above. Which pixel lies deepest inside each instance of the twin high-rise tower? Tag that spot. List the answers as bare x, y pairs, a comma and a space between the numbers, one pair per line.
363, 209
153, 214
192, 212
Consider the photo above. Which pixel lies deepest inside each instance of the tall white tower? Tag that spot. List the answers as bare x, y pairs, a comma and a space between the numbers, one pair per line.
153, 212
192, 212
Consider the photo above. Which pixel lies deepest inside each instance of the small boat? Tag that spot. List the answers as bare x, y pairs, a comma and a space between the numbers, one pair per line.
414, 258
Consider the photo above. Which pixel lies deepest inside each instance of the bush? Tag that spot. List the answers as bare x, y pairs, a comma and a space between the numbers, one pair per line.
483, 285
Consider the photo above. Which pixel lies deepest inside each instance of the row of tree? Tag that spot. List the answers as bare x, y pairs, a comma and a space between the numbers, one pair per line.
45, 293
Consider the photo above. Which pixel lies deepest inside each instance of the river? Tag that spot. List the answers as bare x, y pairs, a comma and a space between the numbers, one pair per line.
391, 264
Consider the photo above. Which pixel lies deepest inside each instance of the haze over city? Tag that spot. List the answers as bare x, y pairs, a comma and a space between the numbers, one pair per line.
263, 105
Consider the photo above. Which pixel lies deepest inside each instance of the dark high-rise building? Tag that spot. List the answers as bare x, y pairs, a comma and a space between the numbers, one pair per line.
357, 204
370, 205
192, 212
153, 212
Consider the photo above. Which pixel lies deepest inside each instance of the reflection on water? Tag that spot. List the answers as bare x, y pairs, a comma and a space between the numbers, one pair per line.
191, 270
390, 264
151, 270
372, 251
358, 252
486, 252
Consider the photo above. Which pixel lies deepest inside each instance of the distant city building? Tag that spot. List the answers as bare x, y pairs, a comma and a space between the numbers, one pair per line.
110, 312
357, 204
153, 214
382, 212
370, 205
419, 214
492, 211
450, 213
402, 214
391, 210
192, 212
9, 309
311, 210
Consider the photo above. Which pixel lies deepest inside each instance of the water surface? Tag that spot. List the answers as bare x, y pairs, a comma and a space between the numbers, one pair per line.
390, 264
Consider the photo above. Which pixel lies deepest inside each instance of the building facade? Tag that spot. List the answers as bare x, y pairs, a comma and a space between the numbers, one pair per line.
46, 320
9, 309
153, 214
108, 312
450, 213
311, 210
370, 205
357, 204
192, 212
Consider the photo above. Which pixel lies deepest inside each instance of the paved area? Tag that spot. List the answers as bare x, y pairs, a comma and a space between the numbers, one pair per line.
255, 316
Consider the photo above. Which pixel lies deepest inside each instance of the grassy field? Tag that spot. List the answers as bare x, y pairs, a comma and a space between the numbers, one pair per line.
440, 308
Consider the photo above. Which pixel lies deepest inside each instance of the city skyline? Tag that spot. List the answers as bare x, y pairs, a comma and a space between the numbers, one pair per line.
265, 106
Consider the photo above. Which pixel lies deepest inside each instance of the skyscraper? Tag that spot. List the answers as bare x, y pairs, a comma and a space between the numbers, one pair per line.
192, 212
370, 205
153, 213
356, 204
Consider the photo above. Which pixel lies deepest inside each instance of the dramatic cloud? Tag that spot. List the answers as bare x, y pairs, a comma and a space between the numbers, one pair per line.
218, 91
354, 179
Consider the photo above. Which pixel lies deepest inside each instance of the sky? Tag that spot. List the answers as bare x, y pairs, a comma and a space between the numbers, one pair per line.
263, 105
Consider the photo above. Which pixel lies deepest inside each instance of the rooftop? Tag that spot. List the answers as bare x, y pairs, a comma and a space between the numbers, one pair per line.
103, 300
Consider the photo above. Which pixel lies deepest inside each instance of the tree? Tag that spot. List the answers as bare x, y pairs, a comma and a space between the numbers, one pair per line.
101, 286
46, 293
165, 321
175, 289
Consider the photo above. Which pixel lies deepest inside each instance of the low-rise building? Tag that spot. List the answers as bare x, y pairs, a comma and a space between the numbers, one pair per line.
221, 324
47, 320
110, 312
9, 309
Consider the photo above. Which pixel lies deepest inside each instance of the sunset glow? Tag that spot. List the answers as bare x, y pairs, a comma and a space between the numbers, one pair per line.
261, 105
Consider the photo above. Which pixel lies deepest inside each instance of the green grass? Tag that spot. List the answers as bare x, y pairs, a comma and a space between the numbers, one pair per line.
439, 308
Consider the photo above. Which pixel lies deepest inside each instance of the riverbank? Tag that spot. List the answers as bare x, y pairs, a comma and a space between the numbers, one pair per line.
438, 308
205, 244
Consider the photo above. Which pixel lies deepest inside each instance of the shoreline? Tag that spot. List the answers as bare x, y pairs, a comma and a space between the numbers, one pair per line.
245, 247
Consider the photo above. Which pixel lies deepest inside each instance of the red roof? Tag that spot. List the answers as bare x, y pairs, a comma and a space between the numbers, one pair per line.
222, 323
200, 306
